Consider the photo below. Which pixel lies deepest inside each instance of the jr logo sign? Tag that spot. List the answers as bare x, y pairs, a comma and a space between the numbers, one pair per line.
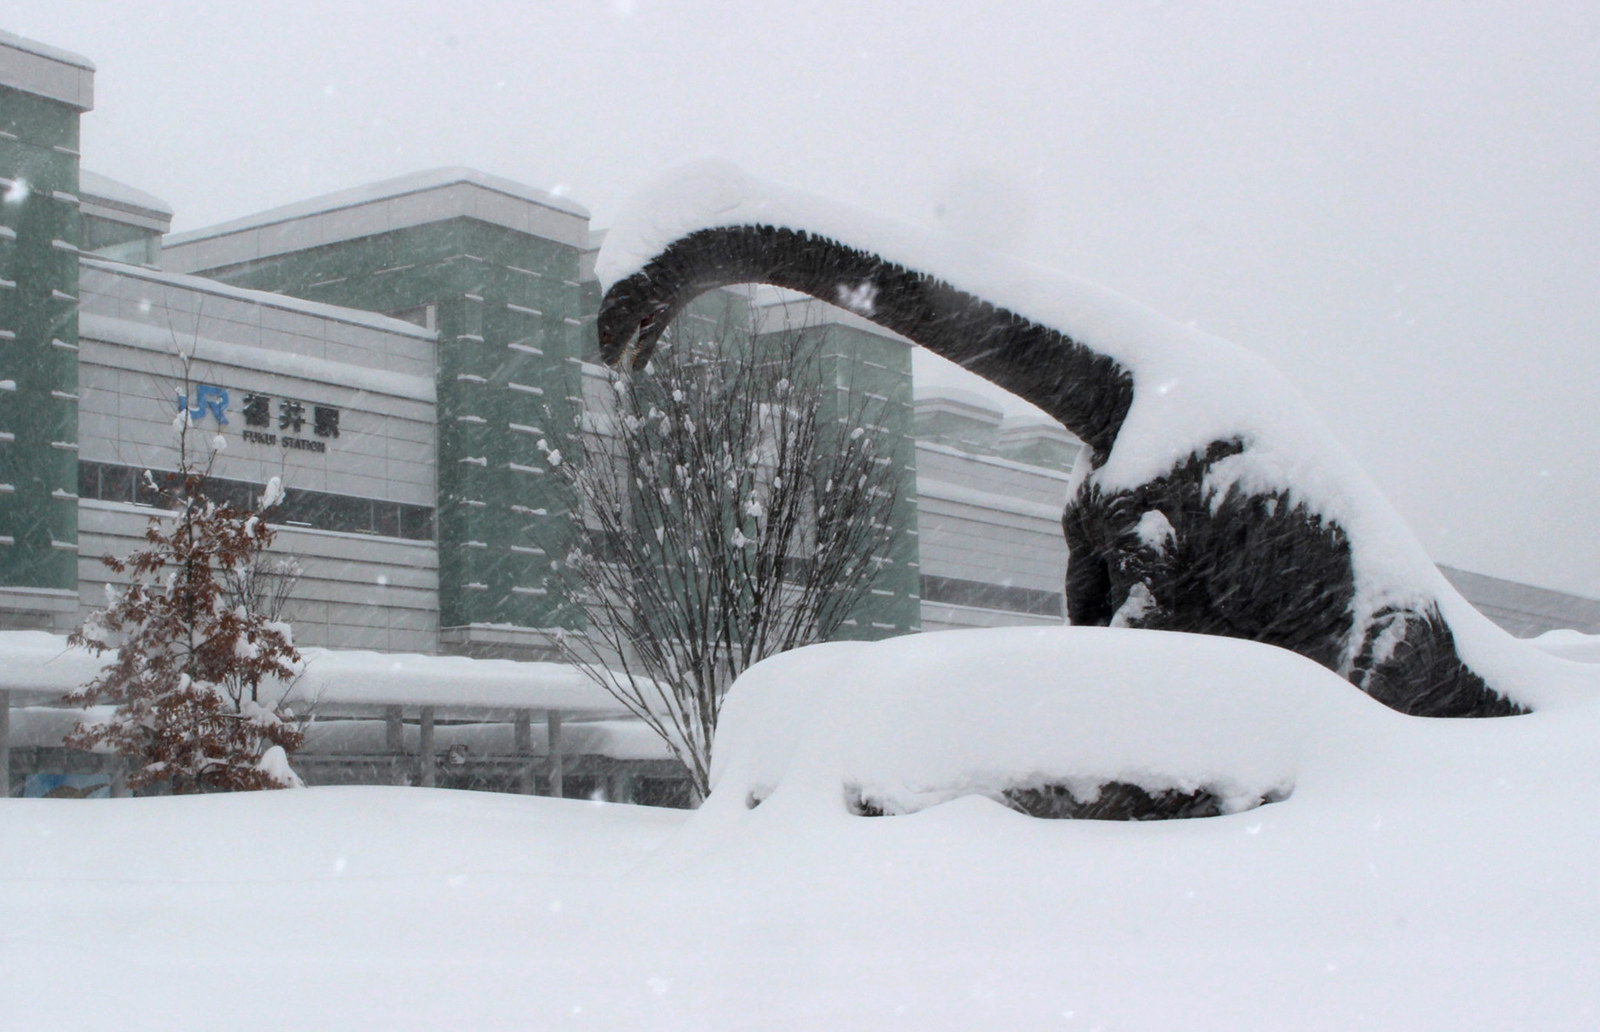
293, 417
206, 399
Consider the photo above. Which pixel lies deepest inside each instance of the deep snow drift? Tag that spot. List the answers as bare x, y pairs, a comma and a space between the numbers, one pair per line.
1421, 874
967, 712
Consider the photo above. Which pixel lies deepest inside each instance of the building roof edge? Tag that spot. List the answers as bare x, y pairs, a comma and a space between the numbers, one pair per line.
38, 49
386, 189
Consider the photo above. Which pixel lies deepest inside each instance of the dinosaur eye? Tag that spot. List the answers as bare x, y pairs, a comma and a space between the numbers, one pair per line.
653, 317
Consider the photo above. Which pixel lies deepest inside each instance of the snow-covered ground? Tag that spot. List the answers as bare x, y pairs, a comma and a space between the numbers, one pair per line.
1420, 874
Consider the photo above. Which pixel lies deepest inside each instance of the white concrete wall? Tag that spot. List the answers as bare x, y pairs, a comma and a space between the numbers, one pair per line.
134, 326
992, 521
357, 590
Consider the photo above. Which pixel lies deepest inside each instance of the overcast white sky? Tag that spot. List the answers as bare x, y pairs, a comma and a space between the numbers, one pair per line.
1395, 201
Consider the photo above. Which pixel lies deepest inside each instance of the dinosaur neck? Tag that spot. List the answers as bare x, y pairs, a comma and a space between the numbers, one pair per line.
1087, 392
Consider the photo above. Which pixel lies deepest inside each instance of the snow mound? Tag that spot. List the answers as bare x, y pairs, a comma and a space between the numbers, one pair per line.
1573, 645
911, 722
275, 764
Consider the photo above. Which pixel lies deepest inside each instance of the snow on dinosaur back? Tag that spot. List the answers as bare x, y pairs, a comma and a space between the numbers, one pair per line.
1192, 388
1278, 535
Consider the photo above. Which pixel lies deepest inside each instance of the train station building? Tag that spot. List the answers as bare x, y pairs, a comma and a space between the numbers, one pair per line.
394, 353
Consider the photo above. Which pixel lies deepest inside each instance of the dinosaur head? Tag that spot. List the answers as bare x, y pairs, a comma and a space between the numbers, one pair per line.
633, 315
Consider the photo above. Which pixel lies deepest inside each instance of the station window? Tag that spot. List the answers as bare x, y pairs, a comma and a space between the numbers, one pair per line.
320, 510
118, 241
958, 592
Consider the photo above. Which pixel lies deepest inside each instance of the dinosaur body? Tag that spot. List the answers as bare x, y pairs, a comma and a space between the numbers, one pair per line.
1167, 555
1163, 534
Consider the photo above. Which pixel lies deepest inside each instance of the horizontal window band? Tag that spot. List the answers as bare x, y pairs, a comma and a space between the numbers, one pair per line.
957, 592
317, 510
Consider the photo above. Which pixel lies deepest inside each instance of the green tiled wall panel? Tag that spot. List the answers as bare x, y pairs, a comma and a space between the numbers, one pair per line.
38, 410
38, 121
471, 271
864, 363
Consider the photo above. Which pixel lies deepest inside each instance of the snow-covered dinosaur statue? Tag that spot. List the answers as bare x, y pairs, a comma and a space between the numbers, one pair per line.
1212, 501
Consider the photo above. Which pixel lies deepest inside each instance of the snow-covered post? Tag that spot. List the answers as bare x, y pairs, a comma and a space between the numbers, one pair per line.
5, 743
427, 768
522, 746
119, 778
552, 728
394, 740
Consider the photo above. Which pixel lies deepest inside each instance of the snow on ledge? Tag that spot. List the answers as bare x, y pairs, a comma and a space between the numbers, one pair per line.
31, 46
1573, 645
39, 666
347, 678
96, 187
388, 189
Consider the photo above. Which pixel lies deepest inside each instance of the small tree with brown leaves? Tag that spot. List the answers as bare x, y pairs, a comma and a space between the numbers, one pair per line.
193, 669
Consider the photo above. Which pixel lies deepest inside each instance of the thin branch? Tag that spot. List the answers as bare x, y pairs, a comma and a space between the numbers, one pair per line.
740, 509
